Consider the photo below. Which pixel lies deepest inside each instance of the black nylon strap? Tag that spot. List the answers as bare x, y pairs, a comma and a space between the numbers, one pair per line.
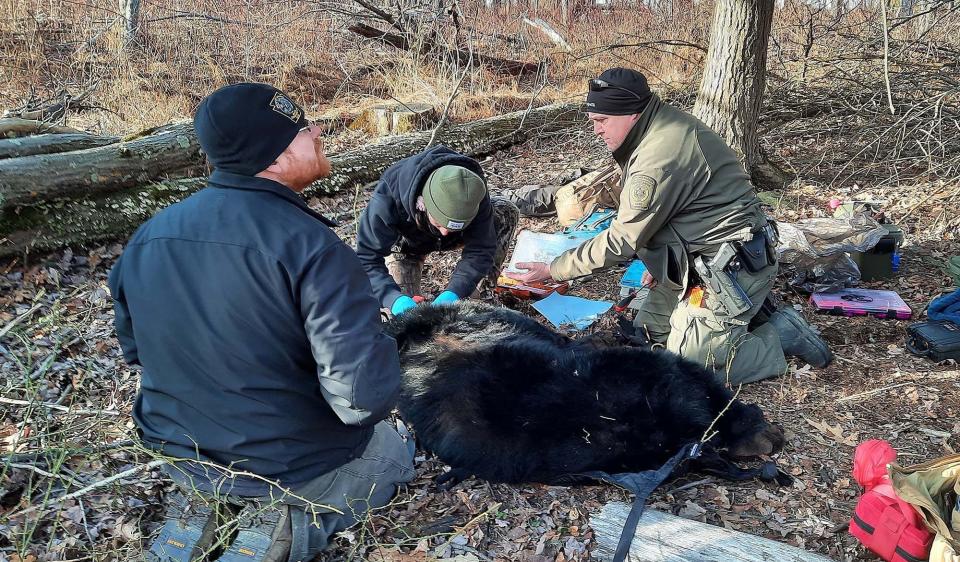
640, 499
642, 484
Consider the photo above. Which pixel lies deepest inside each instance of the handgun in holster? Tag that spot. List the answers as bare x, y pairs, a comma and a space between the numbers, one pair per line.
720, 276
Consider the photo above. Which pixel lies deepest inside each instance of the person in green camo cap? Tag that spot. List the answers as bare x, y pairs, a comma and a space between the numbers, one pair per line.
433, 201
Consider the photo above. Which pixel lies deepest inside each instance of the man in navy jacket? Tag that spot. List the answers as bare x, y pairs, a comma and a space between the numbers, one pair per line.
256, 328
433, 201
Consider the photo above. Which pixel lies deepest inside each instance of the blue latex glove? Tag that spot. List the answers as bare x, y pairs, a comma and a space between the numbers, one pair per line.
446, 297
402, 304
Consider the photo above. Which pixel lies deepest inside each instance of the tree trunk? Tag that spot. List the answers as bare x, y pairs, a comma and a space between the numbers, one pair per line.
51, 144
734, 75
32, 179
130, 20
103, 216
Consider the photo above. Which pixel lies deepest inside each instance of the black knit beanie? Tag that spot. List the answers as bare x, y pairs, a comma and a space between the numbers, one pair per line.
242, 128
618, 91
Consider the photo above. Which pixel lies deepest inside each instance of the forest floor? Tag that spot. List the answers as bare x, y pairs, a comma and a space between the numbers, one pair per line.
67, 393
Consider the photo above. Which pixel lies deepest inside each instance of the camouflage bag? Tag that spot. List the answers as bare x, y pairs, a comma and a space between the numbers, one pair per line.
933, 488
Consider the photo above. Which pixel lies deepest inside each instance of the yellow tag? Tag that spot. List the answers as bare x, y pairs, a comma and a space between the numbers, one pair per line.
246, 551
696, 297
177, 544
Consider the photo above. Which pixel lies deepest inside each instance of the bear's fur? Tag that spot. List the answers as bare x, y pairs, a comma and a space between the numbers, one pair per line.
496, 394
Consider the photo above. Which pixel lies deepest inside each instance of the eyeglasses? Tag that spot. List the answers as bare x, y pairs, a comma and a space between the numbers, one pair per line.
597, 85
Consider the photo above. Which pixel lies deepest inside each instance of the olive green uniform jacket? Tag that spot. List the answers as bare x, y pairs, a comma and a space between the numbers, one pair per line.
684, 193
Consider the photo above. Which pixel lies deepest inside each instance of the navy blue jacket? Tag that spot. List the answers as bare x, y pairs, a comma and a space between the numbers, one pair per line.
392, 213
259, 337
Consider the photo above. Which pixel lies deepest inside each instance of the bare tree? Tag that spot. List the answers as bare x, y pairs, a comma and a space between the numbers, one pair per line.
130, 16
735, 75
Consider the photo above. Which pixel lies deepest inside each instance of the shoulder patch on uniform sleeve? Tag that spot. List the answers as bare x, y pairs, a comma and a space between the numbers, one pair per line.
640, 190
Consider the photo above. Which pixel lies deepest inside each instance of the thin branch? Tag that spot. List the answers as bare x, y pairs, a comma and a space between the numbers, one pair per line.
453, 94
96, 485
57, 407
44, 473
34, 455
886, 56
385, 16
929, 10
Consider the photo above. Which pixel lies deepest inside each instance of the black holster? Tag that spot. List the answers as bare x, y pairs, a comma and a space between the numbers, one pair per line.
760, 252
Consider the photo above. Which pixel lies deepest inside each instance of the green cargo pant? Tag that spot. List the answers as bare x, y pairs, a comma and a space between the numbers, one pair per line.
707, 336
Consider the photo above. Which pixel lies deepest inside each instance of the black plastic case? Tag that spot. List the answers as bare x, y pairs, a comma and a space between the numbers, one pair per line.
937, 339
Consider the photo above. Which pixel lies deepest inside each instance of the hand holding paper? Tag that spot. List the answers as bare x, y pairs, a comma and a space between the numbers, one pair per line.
536, 271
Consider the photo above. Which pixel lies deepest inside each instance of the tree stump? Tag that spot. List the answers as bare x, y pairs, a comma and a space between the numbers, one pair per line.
396, 119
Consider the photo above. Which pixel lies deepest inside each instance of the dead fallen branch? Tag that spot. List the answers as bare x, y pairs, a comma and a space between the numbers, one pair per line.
58, 407
12, 127
45, 507
461, 56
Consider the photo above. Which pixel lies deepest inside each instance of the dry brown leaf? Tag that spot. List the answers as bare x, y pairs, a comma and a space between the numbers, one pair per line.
394, 554
834, 432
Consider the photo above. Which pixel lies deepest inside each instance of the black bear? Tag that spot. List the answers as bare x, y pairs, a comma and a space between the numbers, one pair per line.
495, 394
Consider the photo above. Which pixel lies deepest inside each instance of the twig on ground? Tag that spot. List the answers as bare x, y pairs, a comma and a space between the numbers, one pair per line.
58, 407
42, 472
96, 485
31, 456
689, 485
12, 324
915, 380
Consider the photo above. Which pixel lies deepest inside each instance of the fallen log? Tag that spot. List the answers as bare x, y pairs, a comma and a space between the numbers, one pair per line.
99, 217
12, 127
661, 537
512, 67
51, 144
45, 177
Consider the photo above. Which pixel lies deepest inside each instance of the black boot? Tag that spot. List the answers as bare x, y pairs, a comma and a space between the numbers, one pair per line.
798, 339
188, 530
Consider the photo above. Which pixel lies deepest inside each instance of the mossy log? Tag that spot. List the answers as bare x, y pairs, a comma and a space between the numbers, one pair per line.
51, 144
44, 177
100, 217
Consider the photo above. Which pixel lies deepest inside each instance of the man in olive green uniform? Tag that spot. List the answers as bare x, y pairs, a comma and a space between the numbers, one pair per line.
685, 198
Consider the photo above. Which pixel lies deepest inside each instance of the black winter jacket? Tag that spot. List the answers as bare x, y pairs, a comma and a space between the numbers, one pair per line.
259, 337
392, 214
